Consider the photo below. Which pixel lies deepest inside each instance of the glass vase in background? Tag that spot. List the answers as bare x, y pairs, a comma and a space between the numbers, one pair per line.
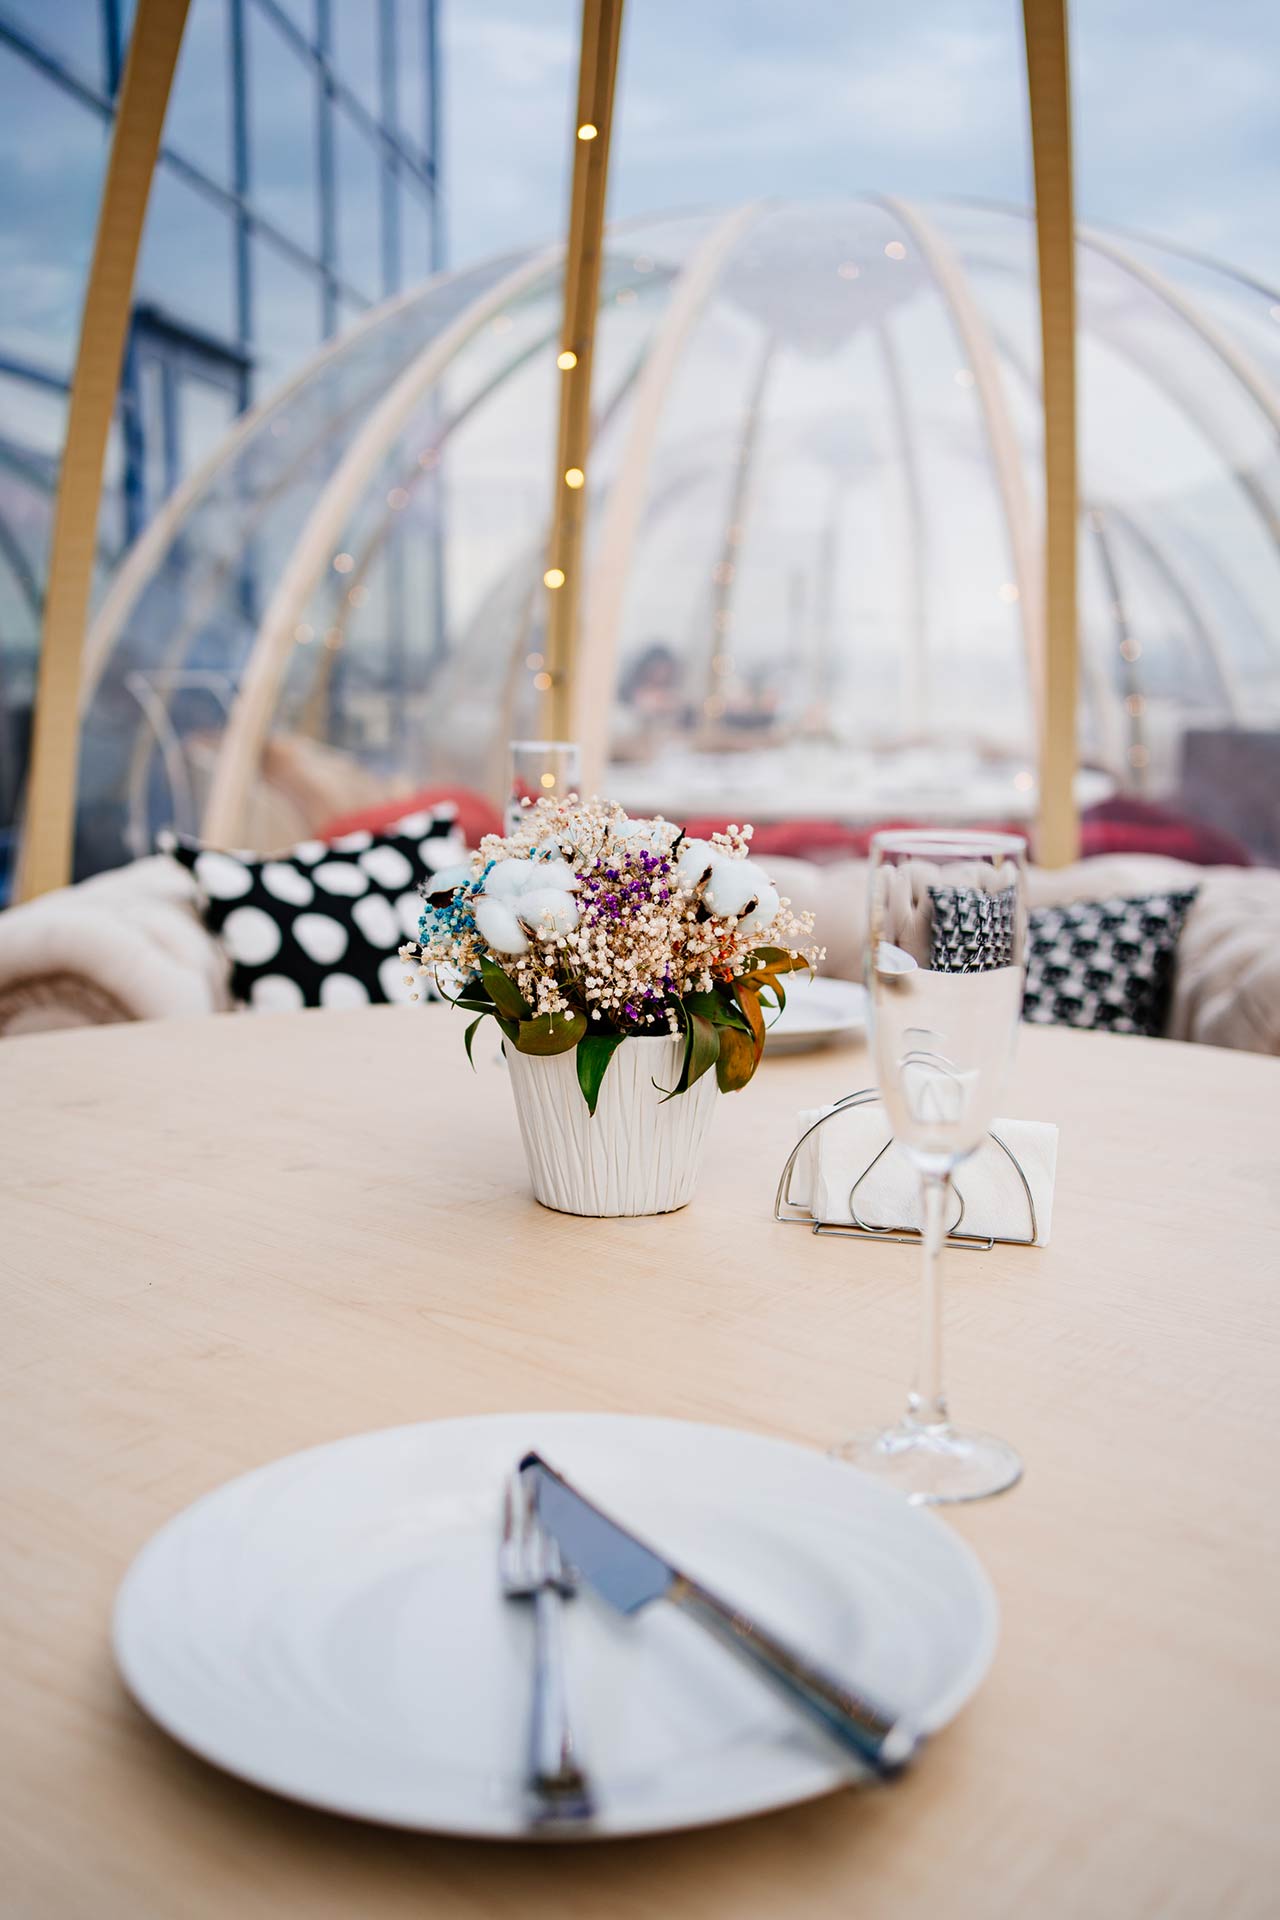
946, 929
538, 770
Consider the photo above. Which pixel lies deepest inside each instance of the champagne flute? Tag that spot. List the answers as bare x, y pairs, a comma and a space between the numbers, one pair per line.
537, 769
944, 968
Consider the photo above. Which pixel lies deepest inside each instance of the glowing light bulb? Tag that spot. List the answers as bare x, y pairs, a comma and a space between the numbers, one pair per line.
533, 661
587, 131
1135, 705
358, 595
566, 360
1130, 650
1139, 757
542, 681
547, 780
1024, 781
574, 477
553, 577
896, 250
342, 563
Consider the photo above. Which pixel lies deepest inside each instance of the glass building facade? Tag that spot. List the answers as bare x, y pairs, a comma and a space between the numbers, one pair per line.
298, 186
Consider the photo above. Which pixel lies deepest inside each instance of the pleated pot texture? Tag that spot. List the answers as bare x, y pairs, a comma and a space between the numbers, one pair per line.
636, 1154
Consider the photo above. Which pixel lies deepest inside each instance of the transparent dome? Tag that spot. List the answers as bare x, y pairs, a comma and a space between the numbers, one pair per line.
813, 561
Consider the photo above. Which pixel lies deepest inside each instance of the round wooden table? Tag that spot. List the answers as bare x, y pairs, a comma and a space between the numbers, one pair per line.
225, 1239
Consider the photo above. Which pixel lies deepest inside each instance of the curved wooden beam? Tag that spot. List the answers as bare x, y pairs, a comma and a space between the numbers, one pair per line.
593, 128
915, 664
313, 551
979, 350
49, 829
1242, 367
593, 687
1049, 94
147, 552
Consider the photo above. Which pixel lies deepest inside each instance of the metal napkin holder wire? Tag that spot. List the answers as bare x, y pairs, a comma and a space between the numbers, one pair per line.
791, 1213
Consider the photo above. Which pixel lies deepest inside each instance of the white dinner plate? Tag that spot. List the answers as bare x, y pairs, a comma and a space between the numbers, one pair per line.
330, 1626
819, 1011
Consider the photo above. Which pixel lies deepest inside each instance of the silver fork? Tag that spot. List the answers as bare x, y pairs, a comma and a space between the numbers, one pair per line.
530, 1568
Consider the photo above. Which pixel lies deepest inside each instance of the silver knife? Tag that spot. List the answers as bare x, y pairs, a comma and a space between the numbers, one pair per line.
629, 1575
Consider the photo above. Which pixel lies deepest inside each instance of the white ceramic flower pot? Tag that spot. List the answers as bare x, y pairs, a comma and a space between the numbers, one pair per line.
636, 1154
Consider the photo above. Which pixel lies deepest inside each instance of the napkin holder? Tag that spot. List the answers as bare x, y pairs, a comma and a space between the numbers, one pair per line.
790, 1212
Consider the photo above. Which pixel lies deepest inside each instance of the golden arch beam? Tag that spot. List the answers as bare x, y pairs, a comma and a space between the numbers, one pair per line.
51, 785
597, 77
1049, 91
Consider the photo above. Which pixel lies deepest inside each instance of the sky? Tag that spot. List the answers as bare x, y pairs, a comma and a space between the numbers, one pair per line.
1175, 121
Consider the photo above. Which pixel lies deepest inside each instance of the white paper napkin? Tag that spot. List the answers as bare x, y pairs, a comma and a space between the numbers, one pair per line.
836, 1157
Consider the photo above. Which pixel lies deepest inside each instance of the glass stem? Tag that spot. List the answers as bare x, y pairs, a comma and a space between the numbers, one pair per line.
927, 1402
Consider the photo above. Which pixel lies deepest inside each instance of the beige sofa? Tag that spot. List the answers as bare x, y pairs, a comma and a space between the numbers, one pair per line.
130, 945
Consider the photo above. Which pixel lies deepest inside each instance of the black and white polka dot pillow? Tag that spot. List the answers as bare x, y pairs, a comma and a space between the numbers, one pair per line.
322, 925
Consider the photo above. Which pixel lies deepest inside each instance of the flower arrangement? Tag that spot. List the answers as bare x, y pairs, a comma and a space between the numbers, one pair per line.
584, 928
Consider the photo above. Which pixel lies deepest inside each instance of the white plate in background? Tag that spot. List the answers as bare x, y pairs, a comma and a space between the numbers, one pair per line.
819, 1012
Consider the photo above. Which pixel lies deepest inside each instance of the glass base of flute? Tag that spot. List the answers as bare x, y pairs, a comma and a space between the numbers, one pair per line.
947, 924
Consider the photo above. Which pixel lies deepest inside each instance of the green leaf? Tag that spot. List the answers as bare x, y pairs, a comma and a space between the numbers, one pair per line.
550, 1033
595, 1051
704, 1050
736, 1061
507, 996
468, 1037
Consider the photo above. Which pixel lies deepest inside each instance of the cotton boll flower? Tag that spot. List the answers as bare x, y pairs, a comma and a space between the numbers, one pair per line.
765, 910
512, 879
547, 911
508, 878
734, 885
697, 858
497, 925
552, 873
447, 881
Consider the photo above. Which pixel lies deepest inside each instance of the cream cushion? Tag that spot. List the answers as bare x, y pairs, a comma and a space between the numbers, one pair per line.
130, 945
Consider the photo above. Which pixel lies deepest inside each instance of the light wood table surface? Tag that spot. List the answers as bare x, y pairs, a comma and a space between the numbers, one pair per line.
224, 1239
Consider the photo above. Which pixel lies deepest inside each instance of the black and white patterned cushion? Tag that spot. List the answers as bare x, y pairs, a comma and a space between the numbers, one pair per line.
1104, 963
972, 931
322, 925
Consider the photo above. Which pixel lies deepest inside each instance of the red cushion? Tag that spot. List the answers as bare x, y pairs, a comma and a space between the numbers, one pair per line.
1126, 824
476, 815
